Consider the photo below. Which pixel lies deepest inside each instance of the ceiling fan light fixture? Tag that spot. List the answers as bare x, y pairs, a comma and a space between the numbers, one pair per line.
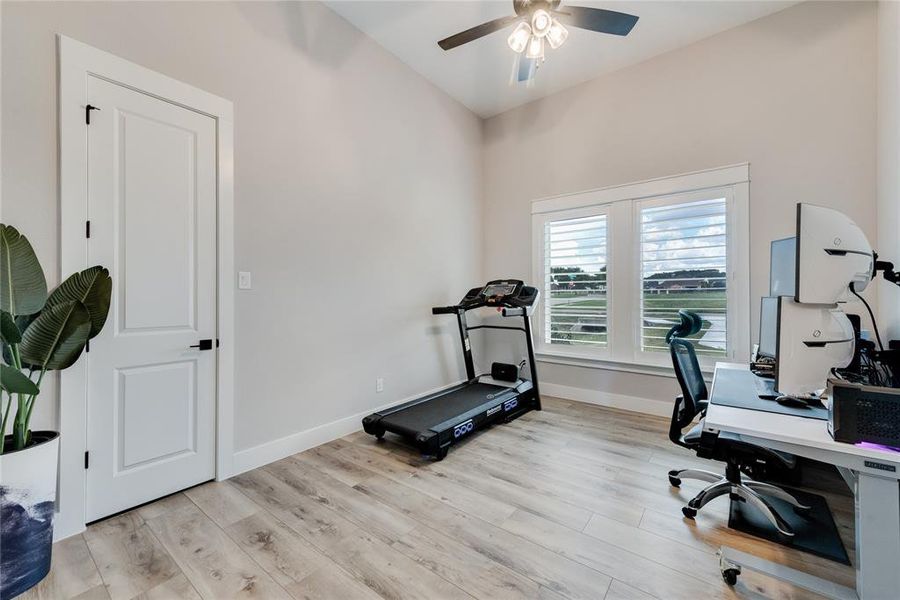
519, 37
541, 21
557, 34
535, 48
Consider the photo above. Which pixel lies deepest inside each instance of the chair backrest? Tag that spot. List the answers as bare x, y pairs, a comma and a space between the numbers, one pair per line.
687, 370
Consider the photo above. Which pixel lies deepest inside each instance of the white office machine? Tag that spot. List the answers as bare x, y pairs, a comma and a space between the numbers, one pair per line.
810, 341
829, 256
832, 254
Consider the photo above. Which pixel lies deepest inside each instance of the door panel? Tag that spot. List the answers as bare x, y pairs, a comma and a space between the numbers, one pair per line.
159, 287
152, 206
153, 428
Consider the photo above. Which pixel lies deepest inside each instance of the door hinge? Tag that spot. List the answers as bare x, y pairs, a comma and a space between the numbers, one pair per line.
87, 113
87, 229
87, 459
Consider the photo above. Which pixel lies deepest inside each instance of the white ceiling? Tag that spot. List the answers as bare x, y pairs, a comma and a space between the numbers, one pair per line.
478, 73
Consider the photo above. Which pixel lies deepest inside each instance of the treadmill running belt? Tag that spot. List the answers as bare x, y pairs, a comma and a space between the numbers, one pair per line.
433, 412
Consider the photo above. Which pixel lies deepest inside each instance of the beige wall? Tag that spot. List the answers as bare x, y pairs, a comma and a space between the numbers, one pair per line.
889, 160
357, 192
793, 94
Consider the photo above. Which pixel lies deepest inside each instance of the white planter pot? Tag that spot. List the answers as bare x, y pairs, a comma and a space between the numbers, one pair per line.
27, 504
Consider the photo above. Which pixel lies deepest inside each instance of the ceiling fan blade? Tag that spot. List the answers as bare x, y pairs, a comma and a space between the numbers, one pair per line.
596, 19
476, 32
526, 70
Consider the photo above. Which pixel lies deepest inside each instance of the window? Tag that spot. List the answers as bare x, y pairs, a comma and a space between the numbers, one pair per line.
575, 281
684, 265
616, 266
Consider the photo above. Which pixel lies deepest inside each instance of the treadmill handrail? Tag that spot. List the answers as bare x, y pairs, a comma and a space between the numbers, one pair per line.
444, 310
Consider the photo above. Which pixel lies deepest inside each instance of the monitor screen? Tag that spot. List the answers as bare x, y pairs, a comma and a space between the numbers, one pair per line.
768, 326
783, 267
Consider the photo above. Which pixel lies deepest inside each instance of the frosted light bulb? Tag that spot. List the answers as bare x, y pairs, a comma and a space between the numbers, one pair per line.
518, 39
557, 34
535, 47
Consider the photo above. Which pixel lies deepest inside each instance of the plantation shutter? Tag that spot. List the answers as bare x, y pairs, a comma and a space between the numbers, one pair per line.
575, 283
683, 253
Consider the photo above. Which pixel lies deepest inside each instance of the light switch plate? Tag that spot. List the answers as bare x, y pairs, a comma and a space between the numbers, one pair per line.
244, 282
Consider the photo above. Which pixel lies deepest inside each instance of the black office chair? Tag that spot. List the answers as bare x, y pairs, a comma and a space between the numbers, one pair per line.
742, 460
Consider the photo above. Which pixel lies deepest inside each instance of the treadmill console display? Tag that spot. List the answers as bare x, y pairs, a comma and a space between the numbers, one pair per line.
498, 289
510, 293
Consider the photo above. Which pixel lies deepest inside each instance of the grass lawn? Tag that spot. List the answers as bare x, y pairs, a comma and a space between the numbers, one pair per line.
577, 321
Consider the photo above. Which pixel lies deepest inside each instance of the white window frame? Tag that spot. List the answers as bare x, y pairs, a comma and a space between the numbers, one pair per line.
621, 204
540, 223
662, 358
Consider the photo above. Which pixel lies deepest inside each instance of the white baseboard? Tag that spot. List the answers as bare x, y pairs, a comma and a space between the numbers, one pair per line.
269, 452
621, 401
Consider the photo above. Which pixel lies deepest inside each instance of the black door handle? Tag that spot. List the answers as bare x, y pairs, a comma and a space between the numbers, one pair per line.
87, 113
203, 345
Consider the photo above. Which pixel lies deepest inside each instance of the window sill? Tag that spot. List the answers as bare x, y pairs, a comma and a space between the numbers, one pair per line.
605, 364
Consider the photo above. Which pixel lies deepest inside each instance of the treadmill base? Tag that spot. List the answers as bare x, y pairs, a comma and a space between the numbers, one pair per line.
436, 422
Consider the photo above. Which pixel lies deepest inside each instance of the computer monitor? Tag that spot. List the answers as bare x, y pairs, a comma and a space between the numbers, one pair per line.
832, 253
783, 267
811, 341
768, 327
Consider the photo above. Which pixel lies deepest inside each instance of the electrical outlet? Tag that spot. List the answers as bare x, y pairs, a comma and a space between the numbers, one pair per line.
244, 282
379, 385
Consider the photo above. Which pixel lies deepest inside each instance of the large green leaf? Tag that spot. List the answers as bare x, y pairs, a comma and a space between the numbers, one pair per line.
92, 287
23, 289
22, 324
9, 331
56, 339
12, 381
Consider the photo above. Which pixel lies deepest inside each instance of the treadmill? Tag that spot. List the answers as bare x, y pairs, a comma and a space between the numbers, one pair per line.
437, 421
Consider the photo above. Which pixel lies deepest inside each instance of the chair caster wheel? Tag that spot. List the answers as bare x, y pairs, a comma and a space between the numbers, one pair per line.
689, 512
441, 454
379, 436
730, 576
674, 481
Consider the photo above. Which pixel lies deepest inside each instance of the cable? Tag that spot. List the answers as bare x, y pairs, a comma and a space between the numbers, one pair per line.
871, 315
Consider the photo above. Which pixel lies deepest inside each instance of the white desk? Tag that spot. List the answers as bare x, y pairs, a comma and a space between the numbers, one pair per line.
872, 474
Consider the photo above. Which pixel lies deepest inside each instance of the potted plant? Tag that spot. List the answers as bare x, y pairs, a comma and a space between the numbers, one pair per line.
38, 333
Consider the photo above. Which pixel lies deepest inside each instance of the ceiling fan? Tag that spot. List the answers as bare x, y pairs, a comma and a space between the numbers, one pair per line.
540, 22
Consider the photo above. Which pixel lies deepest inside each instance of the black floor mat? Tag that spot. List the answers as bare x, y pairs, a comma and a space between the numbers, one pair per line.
814, 532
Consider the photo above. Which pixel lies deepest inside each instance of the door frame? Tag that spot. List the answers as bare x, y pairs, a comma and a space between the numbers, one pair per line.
77, 61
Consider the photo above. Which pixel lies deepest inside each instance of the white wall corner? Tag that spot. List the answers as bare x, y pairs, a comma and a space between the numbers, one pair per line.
888, 206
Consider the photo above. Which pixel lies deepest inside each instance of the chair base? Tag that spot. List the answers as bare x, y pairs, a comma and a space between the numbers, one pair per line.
738, 488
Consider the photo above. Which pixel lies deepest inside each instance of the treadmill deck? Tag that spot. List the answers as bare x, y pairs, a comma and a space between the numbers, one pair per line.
444, 407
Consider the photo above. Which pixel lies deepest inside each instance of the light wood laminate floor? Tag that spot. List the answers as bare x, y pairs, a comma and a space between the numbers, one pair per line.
568, 503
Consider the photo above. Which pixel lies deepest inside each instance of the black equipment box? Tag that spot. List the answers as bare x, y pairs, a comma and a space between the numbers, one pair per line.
863, 413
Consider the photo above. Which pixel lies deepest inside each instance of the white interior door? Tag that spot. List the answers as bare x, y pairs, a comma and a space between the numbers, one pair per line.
152, 208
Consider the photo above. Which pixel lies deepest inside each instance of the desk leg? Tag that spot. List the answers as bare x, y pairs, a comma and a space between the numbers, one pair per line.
877, 537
